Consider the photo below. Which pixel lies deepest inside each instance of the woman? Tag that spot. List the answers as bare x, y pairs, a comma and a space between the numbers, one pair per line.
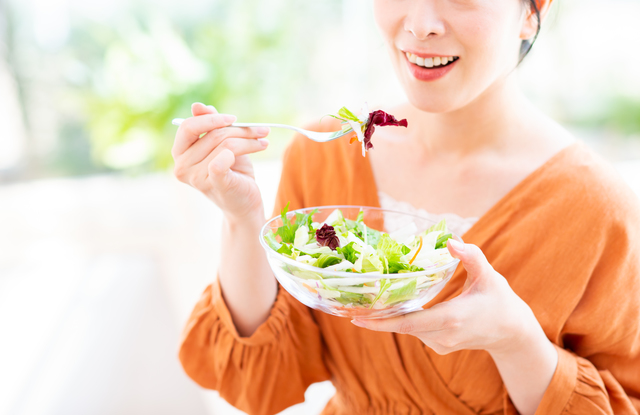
544, 315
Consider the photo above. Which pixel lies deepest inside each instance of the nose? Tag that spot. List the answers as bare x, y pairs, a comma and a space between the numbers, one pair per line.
423, 20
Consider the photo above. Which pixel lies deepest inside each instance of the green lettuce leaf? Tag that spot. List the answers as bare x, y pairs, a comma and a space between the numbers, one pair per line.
285, 250
384, 286
440, 226
410, 268
371, 263
347, 115
306, 275
347, 297
393, 252
357, 227
442, 241
270, 238
305, 219
353, 298
373, 237
287, 231
349, 253
326, 260
351, 224
403, 293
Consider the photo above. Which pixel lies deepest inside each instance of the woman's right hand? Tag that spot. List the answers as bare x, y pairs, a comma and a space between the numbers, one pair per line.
217, 163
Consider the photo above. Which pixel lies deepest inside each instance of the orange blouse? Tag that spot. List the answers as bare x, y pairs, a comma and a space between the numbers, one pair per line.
567, 238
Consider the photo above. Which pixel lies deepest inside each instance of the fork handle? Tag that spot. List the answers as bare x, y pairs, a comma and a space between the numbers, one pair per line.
261, 124
178, 121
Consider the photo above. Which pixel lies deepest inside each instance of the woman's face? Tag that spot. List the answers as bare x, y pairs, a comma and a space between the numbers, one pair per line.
479, 40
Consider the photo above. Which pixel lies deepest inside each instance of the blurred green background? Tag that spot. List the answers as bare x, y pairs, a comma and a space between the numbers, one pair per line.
91, 87
97, 83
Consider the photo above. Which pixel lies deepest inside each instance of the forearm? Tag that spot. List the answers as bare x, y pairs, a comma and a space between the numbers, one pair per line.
528, 367
247, 282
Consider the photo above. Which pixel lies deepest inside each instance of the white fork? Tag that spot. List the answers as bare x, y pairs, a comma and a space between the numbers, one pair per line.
312, 135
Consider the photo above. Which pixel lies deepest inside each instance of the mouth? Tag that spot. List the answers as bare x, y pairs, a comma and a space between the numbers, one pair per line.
433, 62
430, 68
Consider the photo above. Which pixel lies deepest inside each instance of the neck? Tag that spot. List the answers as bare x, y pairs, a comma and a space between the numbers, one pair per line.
489, 123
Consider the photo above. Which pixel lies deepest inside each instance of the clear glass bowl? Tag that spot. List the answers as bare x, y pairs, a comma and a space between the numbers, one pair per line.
302, 280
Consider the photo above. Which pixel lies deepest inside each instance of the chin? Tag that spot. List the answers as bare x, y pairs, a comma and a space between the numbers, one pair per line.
438, 96
435, 104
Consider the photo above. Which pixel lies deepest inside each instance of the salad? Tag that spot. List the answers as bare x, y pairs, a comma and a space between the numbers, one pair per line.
365, 126
341, 244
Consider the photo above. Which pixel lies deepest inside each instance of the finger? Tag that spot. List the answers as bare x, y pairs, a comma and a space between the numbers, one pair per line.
238, 146
472, 258
434, 319
205, 145
241, 146
198, 108
219, 169
192, 128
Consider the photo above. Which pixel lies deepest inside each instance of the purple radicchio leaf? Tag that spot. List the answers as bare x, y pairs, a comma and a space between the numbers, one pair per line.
326, 236
380, 118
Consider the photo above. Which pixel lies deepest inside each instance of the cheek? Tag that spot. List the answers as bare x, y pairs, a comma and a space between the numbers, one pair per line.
489, 36
385, 13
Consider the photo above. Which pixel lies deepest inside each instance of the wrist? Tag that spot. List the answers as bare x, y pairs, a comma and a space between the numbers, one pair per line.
528, 365
525, 336
252, 221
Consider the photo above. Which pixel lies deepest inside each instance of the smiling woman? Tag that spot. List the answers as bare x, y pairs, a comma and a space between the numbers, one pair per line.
483, 39
543, 315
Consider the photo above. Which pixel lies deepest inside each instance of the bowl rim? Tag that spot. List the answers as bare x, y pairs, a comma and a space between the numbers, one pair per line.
370, 275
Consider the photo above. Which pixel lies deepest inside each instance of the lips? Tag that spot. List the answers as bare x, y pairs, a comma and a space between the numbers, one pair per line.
429, 68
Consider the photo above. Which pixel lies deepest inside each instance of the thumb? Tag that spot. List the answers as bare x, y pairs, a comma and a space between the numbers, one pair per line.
198, 108
472, 258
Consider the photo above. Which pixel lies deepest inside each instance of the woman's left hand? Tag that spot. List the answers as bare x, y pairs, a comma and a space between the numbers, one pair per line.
487, 315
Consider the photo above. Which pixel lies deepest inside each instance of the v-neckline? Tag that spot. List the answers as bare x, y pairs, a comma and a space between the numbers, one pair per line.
493, 210
479, 234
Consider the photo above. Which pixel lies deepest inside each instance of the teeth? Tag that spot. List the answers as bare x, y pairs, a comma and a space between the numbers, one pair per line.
429, 62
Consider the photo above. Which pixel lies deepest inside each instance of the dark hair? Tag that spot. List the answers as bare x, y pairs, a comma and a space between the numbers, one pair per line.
526, 45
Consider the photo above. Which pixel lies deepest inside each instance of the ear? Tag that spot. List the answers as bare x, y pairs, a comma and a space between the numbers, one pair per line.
530, 24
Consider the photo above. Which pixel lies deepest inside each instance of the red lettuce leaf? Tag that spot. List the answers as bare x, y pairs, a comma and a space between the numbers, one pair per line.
326, 236
380, 118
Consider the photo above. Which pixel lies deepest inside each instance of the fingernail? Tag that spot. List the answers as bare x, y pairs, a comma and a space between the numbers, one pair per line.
229, 119
357, 323
263, 141
262, 130
211, 107
457, 245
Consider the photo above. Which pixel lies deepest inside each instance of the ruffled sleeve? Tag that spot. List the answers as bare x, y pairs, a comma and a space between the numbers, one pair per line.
578, 387
261, 374
270, 370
